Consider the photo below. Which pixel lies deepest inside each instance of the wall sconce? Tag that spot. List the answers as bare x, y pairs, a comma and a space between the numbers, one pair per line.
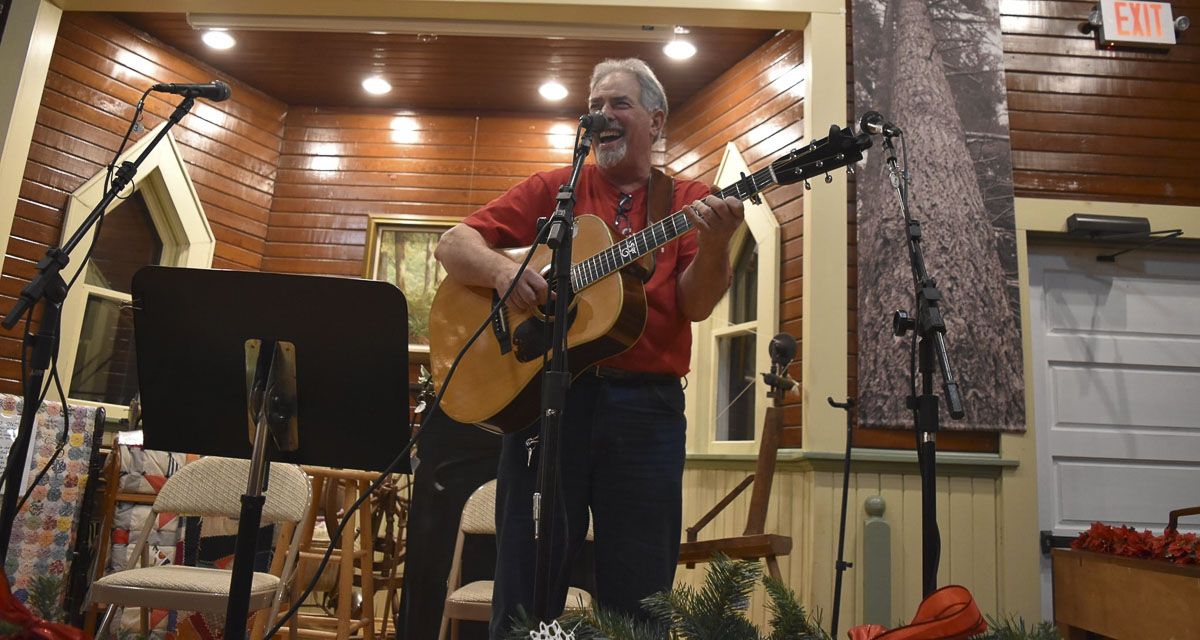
1102, 228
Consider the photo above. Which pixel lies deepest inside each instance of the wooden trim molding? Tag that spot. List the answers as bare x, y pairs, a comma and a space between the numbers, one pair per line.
979, 465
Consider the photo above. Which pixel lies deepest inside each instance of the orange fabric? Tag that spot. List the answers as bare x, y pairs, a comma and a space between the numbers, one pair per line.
866, 632
949, 613
32, 628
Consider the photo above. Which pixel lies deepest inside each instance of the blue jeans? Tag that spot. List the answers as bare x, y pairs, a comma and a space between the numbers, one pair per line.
622, 456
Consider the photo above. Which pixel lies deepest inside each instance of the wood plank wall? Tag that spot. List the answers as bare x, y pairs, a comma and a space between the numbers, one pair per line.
758, 105
1093, 124
338, 166
97, 74
1086, 124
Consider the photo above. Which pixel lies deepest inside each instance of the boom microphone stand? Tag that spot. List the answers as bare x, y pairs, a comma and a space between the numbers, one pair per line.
49, 284
556, 379
930, 328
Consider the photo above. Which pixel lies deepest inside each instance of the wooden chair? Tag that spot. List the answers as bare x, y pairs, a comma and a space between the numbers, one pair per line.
754, 543
346, 485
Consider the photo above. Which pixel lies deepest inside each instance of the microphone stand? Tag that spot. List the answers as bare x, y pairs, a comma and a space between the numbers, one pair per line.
49, 284
556, 379
841, 565
931, 329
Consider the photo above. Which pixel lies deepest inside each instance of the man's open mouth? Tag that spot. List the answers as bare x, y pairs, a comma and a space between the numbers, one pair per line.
611, 135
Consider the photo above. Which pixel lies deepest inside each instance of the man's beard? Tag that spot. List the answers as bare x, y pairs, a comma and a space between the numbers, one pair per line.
611, 155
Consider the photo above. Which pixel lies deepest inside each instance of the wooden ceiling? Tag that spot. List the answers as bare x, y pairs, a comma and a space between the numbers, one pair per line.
444, 72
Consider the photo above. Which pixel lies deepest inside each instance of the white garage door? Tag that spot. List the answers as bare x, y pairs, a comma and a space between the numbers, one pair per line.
1116, 364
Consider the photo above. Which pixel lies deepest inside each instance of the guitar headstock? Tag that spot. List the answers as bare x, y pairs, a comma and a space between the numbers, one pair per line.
840, 148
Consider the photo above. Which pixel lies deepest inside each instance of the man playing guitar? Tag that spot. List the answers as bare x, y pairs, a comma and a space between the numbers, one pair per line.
623, 432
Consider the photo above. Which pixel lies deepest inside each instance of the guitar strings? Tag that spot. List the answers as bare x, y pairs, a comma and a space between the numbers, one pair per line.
625, 252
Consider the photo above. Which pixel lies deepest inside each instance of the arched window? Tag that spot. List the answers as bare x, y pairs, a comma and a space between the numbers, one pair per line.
726, 396
157, 220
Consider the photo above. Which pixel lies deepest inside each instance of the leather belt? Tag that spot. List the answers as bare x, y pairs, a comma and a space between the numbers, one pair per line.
623, 377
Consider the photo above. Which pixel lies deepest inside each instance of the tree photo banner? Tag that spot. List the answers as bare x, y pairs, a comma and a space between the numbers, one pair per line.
935, 70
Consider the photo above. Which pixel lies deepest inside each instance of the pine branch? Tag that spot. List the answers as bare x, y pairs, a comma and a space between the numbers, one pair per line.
1015, 629
716, 610
44, 598
789, 621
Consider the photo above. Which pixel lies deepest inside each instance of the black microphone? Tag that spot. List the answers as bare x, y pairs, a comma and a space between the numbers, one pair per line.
215, 90
873, 122
782, 349
594, 122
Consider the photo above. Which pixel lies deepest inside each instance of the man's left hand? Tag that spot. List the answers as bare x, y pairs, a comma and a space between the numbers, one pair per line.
715, 220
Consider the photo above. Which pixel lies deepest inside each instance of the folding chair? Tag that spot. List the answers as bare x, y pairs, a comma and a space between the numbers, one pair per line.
210, 486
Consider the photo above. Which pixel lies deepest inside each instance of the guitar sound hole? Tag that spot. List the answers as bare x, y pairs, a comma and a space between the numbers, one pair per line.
530, 338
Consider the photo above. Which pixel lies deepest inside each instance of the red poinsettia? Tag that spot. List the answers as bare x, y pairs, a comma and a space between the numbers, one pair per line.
1184, 549
1180, 548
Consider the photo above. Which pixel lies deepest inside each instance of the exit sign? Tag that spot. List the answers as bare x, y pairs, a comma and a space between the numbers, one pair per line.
1137, 23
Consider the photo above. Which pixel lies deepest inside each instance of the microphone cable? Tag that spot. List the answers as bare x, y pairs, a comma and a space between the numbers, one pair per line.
395, 464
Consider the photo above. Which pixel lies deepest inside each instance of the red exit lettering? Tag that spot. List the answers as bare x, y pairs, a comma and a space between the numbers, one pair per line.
1138, 19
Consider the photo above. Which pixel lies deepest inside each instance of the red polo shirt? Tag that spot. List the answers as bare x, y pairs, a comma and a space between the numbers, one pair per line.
511, 220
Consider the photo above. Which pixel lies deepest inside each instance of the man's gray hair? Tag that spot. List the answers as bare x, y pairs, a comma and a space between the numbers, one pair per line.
653, 97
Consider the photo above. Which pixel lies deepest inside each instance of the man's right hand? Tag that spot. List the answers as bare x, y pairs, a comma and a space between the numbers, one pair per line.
468, 258
529, 292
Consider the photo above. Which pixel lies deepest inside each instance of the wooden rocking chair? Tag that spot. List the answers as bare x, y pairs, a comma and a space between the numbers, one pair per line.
754, 543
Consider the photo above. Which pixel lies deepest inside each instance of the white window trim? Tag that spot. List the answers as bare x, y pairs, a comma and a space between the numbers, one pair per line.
178, 216
701, 392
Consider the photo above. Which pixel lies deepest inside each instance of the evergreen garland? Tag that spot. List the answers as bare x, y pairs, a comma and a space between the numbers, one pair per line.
715, 612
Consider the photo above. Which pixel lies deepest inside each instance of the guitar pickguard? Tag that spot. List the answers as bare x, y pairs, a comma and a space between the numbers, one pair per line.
529, 338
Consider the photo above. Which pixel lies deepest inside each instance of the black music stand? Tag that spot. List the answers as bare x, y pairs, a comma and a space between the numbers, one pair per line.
326, 359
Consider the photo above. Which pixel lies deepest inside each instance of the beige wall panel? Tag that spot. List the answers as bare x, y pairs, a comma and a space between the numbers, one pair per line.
960, 533
806, 505
987, 539
943, 521
910, 558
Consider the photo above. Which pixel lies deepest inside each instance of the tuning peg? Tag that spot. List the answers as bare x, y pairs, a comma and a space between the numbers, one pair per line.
849, 169
807, 186
828, 178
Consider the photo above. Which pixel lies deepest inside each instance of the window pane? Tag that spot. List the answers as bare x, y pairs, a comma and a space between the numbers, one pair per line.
735, 388
128, 241
743, 293
105, 367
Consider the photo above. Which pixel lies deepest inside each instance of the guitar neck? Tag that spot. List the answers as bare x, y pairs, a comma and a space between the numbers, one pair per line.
629, 250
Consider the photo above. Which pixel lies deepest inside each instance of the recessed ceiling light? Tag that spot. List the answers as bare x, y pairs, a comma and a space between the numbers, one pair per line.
679, 49
376, 85
218, 39
553, 91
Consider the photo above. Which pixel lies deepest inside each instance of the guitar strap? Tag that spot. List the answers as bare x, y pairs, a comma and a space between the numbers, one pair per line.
658, 199
950, 613
659, 193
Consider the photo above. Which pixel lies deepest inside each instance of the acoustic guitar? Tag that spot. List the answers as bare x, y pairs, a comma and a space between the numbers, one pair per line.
498, 381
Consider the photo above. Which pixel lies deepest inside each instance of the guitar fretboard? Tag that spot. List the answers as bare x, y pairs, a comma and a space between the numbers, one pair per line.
627, 251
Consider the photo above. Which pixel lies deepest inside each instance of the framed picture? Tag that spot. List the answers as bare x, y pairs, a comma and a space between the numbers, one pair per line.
400, 251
